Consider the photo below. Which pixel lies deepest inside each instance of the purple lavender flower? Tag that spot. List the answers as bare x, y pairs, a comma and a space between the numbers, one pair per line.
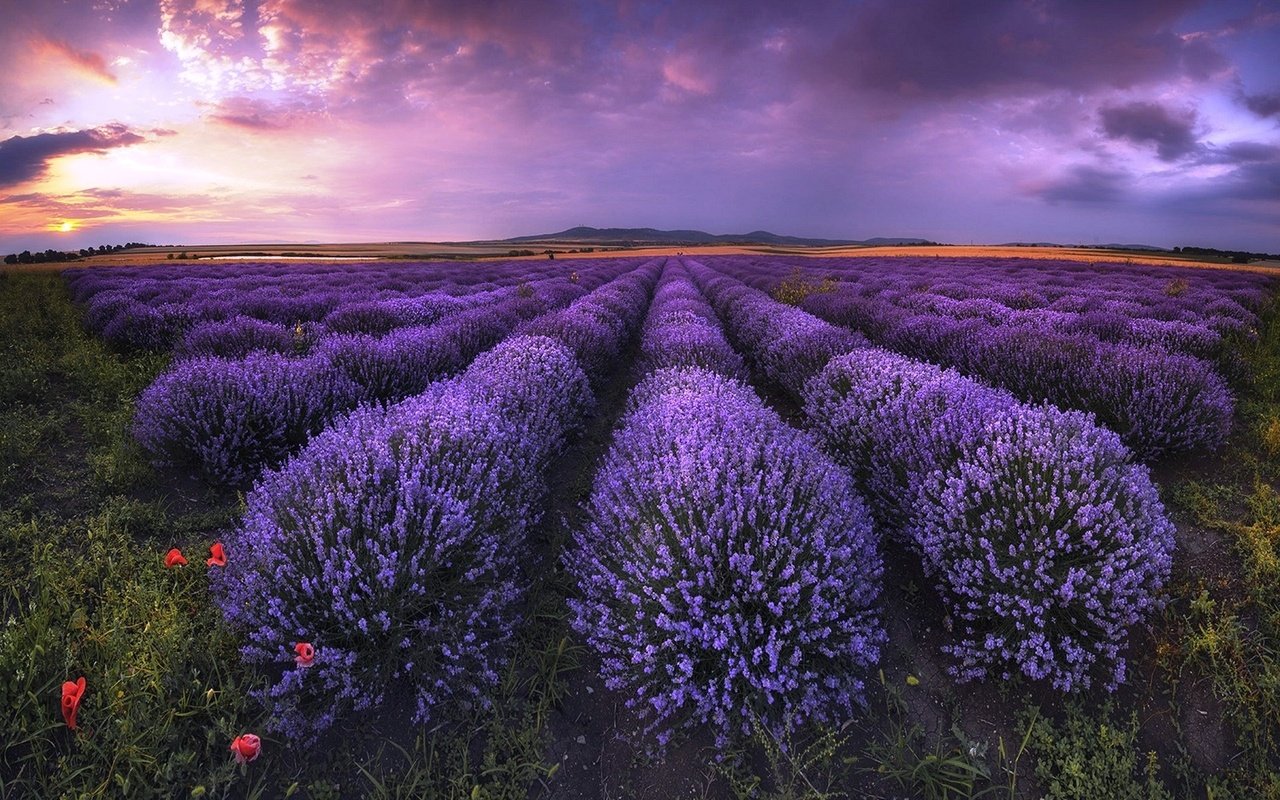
729, 571
392, 541
1049, 544
229, 418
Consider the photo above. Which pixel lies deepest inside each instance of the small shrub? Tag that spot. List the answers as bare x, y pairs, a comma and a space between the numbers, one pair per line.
391, 542
728, 571
1088, 757
228, 419
796, 287
1047, 543
236, 338
1050, 545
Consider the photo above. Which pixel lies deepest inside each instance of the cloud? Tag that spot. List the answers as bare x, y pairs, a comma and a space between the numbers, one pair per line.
1172, 132
88, 63
1264, 105
942, 49
1241, 153
252, 114
1083, 184
24, 158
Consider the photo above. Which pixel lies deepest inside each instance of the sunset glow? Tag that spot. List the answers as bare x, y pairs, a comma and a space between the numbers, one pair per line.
281, 120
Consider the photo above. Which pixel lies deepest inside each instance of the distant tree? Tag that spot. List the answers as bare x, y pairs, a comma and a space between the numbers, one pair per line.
12, 258
25, 257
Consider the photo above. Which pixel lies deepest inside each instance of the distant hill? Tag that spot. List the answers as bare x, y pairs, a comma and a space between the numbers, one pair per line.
1088, 246
1128, 247
584, 233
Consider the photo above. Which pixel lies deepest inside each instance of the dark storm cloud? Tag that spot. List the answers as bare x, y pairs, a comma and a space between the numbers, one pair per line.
1171, 131
940, 48
23, 158
1241, 153
1264, 105
1084, 184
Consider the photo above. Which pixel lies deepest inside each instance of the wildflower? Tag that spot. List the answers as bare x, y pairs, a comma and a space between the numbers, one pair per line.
306, 654
72, 692
174, 558
246, 748
217, 556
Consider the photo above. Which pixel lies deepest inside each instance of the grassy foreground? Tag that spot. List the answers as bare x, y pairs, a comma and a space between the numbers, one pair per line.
85, 524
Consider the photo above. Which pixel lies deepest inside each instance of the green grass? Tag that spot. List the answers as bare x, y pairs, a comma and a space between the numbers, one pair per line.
1227, 632
164, 697
1092, 755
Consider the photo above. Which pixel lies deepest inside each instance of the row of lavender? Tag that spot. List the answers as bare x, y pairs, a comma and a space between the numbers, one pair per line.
1047, 543
230, 417
229, 310
393, 541
1117, 302
1158, 397
728, 574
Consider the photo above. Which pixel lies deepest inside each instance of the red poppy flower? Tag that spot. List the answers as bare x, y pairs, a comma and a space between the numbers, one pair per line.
174, 558
72, 691
306, 654
217, 556
246, 748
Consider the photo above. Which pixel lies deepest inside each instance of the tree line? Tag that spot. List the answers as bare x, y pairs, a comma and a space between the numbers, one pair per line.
56, 256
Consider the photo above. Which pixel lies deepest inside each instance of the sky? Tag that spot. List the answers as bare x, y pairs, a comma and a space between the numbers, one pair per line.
986, 121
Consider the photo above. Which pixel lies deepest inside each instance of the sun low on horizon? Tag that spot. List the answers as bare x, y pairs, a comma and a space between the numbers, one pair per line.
210, 121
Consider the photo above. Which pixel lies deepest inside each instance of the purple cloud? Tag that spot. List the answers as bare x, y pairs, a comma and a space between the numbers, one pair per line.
1084, 184
1264, 105
1242, 153
1172, 132
25, 158
941, 49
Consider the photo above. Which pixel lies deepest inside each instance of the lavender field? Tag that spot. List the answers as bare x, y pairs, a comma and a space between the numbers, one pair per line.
709, 526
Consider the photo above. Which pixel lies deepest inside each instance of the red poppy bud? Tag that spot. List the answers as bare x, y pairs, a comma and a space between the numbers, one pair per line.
72, 691
217, 556
246, 748
174, 558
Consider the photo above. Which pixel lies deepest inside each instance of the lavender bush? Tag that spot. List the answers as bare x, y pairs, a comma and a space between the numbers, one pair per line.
229, 418
892, 421
391, 542
238, 337
728, 572
1050, 545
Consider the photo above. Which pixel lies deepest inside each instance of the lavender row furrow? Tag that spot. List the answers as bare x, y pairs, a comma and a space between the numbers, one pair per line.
728, 572
158, 308
1160, 402
1047, 543
228, 419
393, 541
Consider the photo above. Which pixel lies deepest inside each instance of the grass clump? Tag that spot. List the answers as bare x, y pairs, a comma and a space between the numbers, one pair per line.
86, 598
797, 286
1088, 756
